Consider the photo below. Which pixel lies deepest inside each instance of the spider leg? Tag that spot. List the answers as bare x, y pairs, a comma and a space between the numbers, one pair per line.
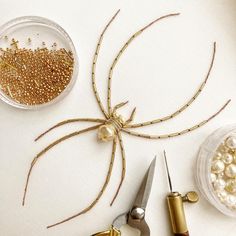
116, 107
69, 121
121, 52
94, 66
123, 168
100, 193
186, 105
164, 136
131, 118
47, 149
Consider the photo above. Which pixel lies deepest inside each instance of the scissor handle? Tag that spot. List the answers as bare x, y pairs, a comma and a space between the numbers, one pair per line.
111, 232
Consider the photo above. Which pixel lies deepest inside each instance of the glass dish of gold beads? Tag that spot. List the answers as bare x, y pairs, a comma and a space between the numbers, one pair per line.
38, 62
216, 169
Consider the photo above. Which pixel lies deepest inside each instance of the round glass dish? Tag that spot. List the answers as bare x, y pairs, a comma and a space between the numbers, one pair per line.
38, 62
214, 163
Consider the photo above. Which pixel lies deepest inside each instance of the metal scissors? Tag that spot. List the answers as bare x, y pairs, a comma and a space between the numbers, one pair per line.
135, 217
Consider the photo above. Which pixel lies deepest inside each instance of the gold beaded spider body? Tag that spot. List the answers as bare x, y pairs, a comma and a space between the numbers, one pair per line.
112, 125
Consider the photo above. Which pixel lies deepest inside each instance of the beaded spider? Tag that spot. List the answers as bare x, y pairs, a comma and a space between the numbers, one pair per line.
110, 127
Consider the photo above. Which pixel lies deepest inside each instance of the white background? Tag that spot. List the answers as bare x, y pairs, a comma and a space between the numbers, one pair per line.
158, 73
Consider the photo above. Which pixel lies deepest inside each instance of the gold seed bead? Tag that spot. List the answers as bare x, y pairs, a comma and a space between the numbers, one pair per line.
36, 76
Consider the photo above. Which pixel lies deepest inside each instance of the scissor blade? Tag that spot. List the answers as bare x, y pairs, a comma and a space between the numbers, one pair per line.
145, 188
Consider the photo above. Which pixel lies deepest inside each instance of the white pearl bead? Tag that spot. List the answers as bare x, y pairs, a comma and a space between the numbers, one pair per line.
230, 171
217, 166
219, 184
106, 133
231, 142
227, 158
230, 200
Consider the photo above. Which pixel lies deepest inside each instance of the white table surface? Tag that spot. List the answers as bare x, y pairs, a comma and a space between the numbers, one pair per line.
158, 73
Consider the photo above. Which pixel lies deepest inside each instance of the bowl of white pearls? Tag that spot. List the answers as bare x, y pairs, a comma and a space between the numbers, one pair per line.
216, 169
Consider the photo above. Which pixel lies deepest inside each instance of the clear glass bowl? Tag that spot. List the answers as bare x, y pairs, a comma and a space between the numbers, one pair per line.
203, 171
37, 30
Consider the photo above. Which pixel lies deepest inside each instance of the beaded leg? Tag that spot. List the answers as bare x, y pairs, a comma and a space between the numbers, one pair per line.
186, 105
131, 118
118, 106
121, 52
69, 121
123, 168
164, 136
47, 149
100, 193
94, 66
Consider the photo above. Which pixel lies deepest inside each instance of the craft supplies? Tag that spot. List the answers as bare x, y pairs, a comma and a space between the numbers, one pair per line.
112, 125
175, 206
135, 217
38, 62
216, 169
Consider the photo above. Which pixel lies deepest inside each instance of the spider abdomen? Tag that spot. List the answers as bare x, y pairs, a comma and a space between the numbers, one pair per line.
106, 132
109, 130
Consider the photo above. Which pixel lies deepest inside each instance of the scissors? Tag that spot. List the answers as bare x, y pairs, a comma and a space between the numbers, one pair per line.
135, 217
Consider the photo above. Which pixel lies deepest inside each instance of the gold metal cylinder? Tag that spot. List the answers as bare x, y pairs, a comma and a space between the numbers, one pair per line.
176, 211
